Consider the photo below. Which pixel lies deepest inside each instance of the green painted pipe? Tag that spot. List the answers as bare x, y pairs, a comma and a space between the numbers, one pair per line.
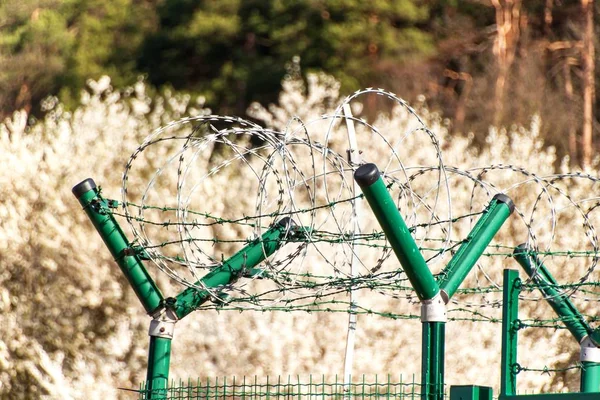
511, 288
132, 267
369, 179
498, 211
159, 359
432, 360
545, 282
231, 269
590, 377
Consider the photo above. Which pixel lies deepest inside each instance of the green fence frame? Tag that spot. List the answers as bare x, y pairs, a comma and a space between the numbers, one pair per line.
166, 312
291, 388
510, 368
433, 292
590, 382
587, 337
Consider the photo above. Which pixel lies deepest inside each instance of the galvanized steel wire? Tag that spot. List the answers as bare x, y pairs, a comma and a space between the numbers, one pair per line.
302, 172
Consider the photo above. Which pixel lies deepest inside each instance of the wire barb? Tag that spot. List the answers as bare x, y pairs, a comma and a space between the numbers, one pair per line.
221, 182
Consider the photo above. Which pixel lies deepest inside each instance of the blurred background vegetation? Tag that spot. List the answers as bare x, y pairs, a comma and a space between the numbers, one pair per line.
478, 62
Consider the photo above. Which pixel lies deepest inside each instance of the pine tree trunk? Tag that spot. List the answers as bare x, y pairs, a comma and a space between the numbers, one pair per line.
588, 82
508, 18
548, 16
572, 129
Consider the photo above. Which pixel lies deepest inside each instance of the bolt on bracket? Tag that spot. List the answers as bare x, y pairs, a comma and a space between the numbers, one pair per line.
163, 323
434, 309
589, 351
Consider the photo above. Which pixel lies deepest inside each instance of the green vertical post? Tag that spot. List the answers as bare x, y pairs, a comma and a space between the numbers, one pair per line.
237, 265
494, 216
433, 300
590, 377
132, 267
159, 358
98, 210
369, 179
432, 360
510, 327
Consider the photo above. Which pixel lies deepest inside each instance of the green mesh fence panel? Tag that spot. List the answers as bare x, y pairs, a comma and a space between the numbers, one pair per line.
287, 388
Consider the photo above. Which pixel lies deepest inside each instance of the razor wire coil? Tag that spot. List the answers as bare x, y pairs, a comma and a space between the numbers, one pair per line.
304, 172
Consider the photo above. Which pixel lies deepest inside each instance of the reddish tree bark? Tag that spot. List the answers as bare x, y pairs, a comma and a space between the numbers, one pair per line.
588, 82
508, 21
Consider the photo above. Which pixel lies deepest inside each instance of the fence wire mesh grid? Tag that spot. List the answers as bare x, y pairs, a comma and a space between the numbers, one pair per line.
388, 387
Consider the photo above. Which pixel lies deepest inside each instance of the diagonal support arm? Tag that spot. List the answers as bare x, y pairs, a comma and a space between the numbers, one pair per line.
494, 216
369, 179
560, 303
243, 261
132, 267
571, 317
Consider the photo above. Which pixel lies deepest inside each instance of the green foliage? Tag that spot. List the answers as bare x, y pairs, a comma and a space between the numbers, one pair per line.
108, 35
33, 50
236, 51
46, 46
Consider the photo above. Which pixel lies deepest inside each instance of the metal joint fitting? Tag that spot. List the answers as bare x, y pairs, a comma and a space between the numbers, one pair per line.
163, 323
434, 309
589, 351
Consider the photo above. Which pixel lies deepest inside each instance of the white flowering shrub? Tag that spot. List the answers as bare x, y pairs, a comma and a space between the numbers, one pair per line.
70, 324
72, 328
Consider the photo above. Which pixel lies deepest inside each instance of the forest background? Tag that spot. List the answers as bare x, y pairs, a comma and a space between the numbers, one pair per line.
478, 62
496, 80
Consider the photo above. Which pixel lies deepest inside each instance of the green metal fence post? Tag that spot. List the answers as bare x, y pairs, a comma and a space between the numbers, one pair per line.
159, 358
432, 364
433, 308
510, 328
132, 267
560, 302
161, 330
433, 294
369, 179
494, 216
240, 264
570, 316
166, 312
590, 377
451, 278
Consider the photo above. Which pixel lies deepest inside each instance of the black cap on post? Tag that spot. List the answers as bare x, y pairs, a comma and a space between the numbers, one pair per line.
287, 223
502, 198
366, 175
521, 249
83, 187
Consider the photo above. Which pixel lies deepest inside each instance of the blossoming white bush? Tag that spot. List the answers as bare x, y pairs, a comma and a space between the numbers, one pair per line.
72, 327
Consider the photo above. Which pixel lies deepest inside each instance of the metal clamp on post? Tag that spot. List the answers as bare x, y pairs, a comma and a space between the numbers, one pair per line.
589, 351
163, 323
434, 309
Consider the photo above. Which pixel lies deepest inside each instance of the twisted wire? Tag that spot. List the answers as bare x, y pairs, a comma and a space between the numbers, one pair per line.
199, 189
